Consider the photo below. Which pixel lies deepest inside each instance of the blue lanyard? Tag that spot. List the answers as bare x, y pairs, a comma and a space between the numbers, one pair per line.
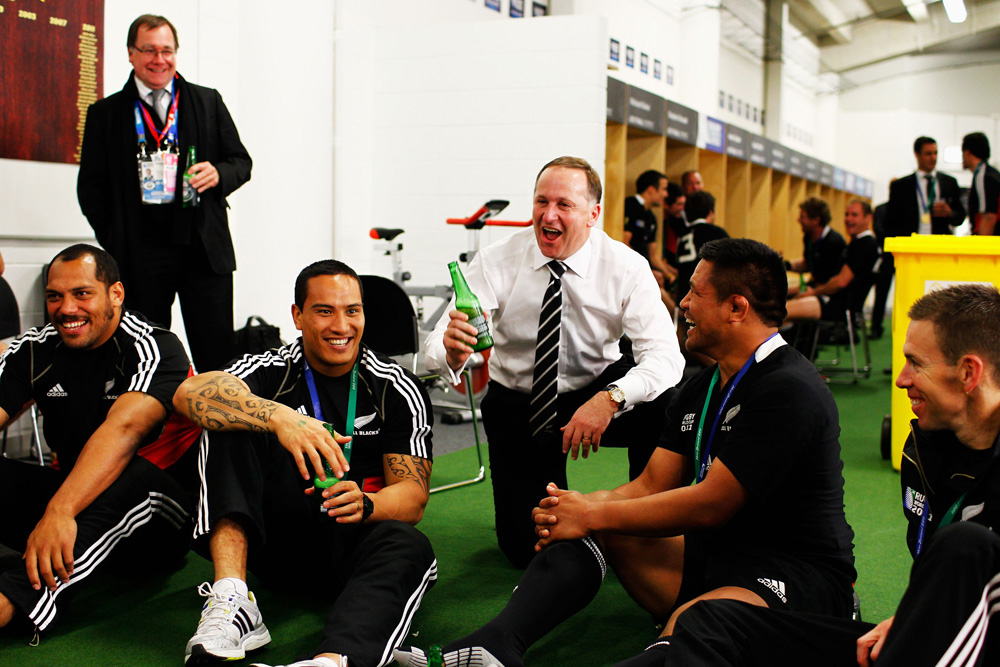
703, 460
352, 401
170, 131
945, 520
924, 200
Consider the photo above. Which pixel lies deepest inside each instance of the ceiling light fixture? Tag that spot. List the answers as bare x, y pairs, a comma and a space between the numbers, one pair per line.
955, 9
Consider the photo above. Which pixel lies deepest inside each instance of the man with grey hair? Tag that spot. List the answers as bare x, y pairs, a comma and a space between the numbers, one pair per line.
166, 247
559, 382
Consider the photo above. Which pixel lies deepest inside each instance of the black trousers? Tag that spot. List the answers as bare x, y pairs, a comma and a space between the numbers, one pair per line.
882, 282
141, 523
376, 574
943, 619
521, 466
206, 299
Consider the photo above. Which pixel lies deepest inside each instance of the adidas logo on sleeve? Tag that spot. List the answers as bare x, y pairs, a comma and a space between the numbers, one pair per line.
56, 392
777, 587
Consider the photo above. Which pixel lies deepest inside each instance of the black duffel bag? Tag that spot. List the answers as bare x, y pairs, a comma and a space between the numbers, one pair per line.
257, 336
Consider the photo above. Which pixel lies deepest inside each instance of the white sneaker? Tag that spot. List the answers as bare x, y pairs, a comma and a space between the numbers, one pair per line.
230, 625
314, 662
474, 656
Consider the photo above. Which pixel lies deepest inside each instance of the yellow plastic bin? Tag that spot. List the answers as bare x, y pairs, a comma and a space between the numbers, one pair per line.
925, 263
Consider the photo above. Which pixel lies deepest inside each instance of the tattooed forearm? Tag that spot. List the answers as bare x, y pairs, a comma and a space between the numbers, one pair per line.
412, 468
222, 402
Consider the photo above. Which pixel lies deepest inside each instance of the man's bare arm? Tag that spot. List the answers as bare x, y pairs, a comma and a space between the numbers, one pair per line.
987, 224
407, 487
218, 401
403, 498
836, 284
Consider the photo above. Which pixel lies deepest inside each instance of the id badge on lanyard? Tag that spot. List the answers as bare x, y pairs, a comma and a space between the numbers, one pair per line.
157, 170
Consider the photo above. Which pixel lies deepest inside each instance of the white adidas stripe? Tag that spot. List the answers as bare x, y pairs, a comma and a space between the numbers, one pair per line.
30, 336
149, 352
408, 389
964, 650
45, 610
402, 628
202, 524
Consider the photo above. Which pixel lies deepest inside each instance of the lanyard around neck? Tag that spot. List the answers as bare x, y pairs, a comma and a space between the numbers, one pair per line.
925, 201
169, 129
945, 520
702, 461
352, 401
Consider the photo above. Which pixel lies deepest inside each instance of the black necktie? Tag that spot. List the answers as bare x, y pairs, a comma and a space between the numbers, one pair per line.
545, 379
930, 190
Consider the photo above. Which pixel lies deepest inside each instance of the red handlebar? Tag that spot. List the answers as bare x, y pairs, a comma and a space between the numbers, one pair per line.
499, 223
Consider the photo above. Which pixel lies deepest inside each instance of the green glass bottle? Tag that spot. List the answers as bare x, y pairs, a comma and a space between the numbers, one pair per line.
434, 657
466, 302
190, 194
321, 484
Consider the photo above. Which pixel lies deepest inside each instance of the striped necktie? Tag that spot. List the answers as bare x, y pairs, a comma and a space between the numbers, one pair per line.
545, 379
155, 97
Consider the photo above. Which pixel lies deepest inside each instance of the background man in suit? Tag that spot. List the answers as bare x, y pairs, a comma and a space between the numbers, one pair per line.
912, 209
984, 195
164, 248
925, 202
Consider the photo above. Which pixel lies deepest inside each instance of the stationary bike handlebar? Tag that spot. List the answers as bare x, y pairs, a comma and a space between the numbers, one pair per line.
484, 216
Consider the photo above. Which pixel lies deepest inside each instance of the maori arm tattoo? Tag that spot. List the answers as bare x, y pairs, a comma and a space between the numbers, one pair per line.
410, 467
224, 403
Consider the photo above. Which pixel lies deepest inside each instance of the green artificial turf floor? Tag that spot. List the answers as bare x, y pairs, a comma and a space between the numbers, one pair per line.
120, 622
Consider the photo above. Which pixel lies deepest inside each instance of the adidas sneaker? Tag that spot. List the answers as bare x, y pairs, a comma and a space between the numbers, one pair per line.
231, 625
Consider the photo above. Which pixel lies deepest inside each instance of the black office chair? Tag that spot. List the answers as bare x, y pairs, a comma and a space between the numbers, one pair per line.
10, 325
847, 333
10, 318
391, 328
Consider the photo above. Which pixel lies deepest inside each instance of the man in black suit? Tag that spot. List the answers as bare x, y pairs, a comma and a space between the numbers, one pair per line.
925, 202
162, 247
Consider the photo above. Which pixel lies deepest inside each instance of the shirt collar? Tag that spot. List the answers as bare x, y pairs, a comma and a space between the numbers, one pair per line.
925, 174
578, 262
768, 346
640, 199
145, 90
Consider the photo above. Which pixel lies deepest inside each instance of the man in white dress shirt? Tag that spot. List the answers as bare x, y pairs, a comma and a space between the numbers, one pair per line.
599, 396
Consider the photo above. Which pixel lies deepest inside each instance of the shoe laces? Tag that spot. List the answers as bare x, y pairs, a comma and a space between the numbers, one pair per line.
218, 608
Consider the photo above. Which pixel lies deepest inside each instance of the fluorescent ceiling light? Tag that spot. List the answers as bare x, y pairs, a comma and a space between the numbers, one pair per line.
917, 9
955, 10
